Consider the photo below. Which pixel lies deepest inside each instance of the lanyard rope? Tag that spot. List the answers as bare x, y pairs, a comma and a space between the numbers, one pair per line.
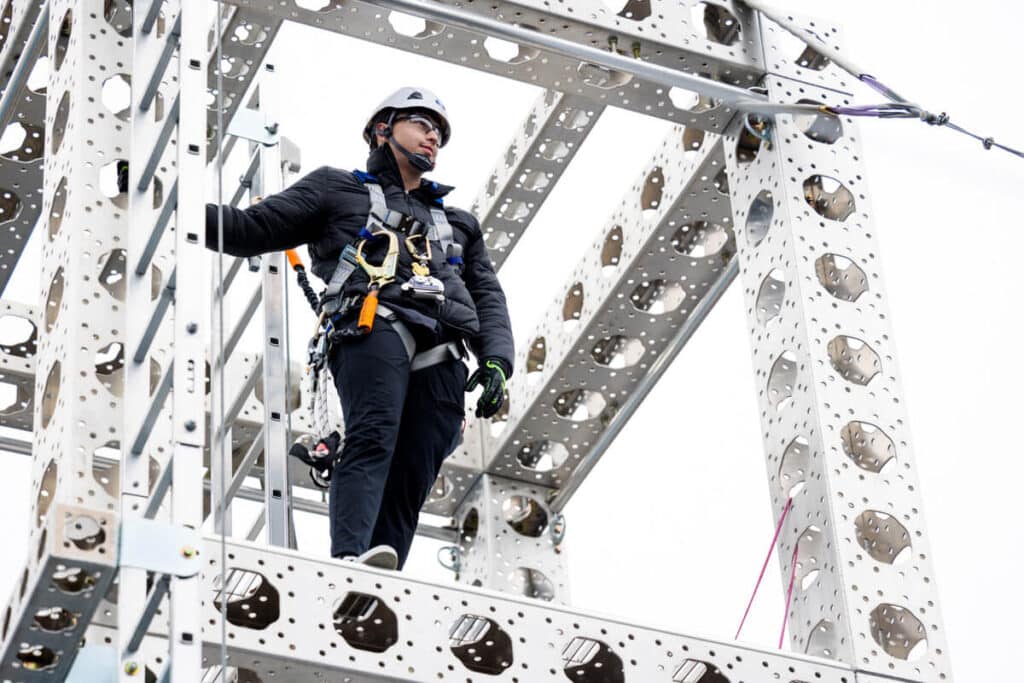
897, 107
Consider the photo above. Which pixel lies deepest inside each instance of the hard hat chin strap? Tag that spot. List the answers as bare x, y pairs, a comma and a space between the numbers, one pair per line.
421, 162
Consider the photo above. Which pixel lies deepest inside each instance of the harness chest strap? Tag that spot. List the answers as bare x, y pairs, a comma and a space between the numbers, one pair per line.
440, 231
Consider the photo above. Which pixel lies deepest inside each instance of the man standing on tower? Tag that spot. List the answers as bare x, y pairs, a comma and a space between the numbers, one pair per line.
410, 286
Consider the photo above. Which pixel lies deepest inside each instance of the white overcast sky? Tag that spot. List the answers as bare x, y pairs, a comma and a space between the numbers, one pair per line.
671, 527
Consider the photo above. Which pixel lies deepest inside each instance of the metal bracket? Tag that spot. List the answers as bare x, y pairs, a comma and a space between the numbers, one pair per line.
160, 547
94, 664
252, 125
291, 156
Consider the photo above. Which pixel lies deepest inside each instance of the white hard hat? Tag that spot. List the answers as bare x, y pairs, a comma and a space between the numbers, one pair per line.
410, 98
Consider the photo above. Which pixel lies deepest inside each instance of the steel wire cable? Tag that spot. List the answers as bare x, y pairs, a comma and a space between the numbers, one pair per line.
897, 107
219, 433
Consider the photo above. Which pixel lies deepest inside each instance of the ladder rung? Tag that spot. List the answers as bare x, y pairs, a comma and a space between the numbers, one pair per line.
151, 16
159, 311
161, 66
170, 204
161, 144
139, 444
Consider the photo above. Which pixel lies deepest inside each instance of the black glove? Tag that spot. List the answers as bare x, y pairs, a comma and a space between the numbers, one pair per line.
492, 376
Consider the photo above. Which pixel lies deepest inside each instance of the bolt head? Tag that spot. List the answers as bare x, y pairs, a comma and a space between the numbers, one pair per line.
189, 552
190, 425
131, 668
191, 328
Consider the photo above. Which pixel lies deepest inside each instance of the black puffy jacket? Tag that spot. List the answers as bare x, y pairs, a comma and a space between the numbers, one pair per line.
326, 210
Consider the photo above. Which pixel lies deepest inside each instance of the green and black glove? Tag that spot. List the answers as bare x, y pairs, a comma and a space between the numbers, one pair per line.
492, 376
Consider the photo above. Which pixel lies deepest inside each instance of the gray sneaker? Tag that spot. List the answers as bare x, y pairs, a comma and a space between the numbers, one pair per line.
380, 557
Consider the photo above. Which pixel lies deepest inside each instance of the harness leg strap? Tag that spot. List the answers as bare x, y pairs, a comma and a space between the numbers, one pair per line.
418, 361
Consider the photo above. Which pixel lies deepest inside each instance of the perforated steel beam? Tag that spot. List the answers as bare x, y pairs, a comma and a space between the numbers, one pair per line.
347, 622
66, 575
716, 40
661, 252
17, 364
530, 167
333, 619
247, 38
835, 427
21, 168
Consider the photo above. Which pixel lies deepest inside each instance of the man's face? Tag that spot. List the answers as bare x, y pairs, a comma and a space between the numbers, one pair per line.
417, 132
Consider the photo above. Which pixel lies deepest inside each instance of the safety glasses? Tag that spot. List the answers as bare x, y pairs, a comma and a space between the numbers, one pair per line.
426, 125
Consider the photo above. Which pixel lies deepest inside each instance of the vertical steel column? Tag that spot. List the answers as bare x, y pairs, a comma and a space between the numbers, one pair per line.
510, 540
80, 345
188, 418
832, 412
275, 452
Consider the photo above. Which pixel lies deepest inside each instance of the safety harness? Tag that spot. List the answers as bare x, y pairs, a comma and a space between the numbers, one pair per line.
382, 222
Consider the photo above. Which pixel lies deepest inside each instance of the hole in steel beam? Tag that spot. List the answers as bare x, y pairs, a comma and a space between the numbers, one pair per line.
413, 27
17, 336
525, 515
883, 537
611, 251
57, 204
697, 671
542, 456
72, 580
579, 405
782, 381
63, 39
770, 296
854, 359
586, 659
572, 308
480, 644
898, 632
60, 122
22, 142
54, 298
617, 351
759, 217
867, 445
841, 277
795, 467
51, 392
829, 198
365, 622
719, 24
252, 601
601, 77
532, 583
535, 360
47, 490
819, 127
657, 297
85, 533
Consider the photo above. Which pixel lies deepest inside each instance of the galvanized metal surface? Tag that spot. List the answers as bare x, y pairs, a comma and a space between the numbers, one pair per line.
680, 37
832, 413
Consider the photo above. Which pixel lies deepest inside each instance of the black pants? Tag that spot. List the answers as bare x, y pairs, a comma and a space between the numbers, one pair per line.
399, 427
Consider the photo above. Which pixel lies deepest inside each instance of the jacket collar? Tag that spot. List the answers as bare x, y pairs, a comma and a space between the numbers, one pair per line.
383, 167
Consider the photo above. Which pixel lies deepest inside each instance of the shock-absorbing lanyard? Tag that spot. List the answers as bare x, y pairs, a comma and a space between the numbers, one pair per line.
379, 275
